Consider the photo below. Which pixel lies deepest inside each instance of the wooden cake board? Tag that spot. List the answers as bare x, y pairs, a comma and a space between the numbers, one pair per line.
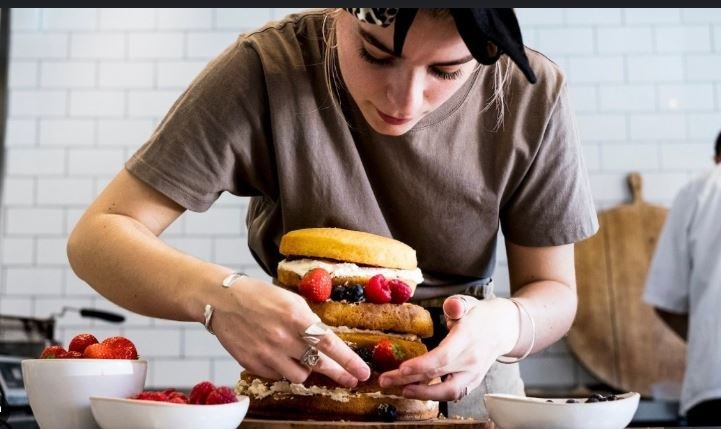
313, 424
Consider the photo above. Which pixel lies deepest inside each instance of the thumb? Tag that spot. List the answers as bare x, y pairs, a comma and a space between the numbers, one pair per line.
454, 308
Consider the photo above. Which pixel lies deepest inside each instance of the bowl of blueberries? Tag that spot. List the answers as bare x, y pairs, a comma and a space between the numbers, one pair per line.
596, 411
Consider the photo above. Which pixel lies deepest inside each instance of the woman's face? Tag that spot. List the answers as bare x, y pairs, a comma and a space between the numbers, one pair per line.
394, 93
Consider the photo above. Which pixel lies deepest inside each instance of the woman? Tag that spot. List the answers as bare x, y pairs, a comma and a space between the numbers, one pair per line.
398, 122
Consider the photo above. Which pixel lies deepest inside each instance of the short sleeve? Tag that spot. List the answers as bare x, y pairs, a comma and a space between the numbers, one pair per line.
553, 204
213, 140
669, 276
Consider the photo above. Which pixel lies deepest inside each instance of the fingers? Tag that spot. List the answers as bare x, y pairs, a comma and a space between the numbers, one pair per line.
276, 335
347, 361
454, 387
263, 371
333, 370
450, 356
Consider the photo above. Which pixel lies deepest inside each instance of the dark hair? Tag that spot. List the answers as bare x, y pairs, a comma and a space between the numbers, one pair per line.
718, 146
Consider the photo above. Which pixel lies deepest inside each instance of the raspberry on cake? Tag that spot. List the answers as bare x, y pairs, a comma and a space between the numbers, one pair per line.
359, 284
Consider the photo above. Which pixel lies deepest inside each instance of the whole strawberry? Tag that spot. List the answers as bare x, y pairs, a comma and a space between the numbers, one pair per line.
53, 352
221, 395
200, 392
400, 292
122, 348
118, 342
386, 355
72, 355
316, 285
80, 342
98, 351
377, 290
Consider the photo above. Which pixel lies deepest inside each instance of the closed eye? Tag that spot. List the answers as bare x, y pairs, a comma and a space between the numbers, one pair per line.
387, 61
366, 56
446, 75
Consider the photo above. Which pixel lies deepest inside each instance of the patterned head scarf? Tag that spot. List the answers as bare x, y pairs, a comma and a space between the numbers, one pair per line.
487, 32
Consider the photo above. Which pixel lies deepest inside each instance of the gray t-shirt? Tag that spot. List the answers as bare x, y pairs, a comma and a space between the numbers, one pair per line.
259, 121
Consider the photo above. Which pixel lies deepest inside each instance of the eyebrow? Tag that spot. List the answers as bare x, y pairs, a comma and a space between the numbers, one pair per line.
368, 37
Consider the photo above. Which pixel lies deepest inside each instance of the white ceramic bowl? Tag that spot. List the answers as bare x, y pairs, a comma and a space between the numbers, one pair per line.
59, 390
119, 413
517, 412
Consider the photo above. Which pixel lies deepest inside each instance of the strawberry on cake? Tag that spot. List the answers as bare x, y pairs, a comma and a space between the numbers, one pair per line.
359, 284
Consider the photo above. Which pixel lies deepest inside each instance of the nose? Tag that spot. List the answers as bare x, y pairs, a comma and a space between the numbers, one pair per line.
405, 94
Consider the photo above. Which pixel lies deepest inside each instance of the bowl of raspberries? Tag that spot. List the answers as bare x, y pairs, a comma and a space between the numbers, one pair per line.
61, 380
206, 405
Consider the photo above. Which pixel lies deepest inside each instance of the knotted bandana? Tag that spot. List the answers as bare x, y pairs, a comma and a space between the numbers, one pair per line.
487, 32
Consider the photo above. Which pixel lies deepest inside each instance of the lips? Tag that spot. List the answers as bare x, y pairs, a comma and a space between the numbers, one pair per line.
392, 120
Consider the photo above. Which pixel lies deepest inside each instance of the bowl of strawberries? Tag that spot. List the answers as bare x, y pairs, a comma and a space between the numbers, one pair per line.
207, 406
60, 382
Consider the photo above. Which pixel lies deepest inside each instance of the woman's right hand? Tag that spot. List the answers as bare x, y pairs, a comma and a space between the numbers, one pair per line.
261, 326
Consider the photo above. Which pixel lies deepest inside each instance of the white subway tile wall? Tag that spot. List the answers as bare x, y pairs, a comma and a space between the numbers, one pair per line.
87, 87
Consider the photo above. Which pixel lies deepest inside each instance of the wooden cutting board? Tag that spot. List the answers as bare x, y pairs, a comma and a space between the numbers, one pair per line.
615, 335
425, 424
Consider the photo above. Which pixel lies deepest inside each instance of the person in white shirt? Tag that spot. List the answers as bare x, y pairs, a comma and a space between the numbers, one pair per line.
684, 287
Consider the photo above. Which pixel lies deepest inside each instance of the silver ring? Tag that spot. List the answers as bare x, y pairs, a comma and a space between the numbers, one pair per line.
468, 303
310, 357
313, 333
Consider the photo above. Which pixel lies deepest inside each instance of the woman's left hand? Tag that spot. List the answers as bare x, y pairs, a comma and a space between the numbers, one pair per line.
478, 332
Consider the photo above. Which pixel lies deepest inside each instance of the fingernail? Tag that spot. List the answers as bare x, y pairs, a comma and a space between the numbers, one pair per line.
364, 373
349, 381
383, 382
409, 392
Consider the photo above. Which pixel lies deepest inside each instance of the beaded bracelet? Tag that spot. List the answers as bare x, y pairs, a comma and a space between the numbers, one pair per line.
521, 309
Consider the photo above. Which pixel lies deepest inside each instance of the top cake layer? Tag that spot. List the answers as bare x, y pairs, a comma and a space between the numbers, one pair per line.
349, 246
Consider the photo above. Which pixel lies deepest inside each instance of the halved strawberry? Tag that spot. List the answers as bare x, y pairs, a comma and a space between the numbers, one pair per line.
386, 355
316, 285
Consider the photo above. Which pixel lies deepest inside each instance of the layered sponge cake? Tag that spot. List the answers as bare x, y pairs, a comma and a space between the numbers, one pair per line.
372, 278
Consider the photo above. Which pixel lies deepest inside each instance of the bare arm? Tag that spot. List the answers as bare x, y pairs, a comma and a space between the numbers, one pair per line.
116, 249
677, 322
544, 280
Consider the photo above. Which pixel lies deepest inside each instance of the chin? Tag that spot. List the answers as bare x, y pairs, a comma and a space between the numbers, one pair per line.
382, 127
392, 130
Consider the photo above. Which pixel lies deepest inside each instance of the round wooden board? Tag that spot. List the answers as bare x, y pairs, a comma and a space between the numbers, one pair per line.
312, 424
615, 335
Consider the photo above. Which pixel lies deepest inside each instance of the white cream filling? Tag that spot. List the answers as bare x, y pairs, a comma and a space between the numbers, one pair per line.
348, 269
259, 390
346, 329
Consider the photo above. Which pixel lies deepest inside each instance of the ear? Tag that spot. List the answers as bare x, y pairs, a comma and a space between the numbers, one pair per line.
717, 159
